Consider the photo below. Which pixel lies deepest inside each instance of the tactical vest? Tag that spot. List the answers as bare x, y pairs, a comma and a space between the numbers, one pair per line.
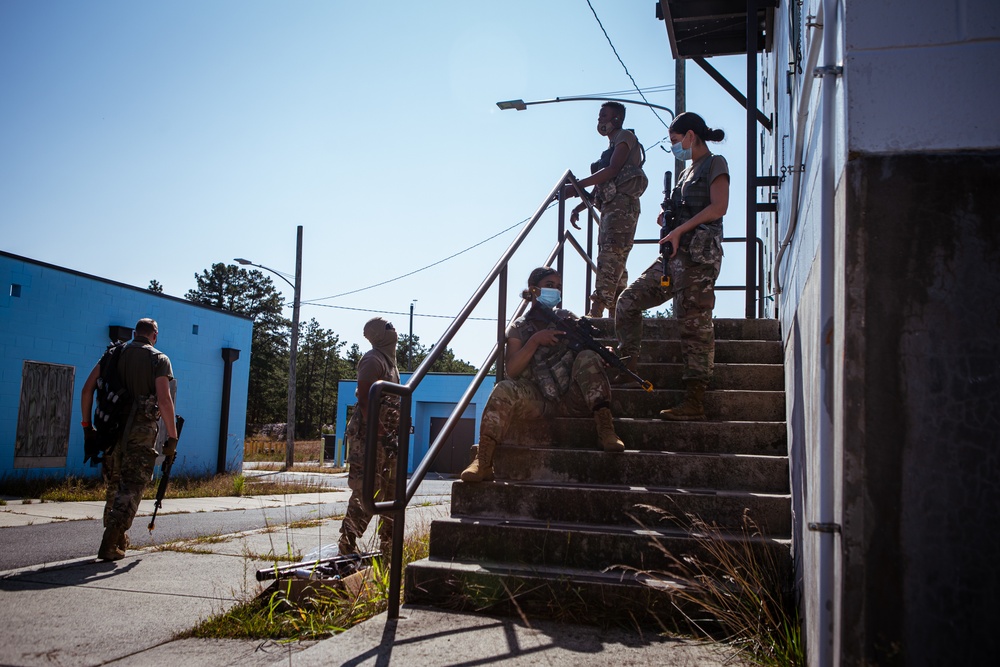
692, 196
551, 366
630, 180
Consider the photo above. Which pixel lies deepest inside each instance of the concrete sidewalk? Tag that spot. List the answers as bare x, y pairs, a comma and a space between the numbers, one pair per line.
85, 612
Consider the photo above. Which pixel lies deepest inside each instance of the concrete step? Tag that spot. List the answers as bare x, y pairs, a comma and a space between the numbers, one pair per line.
621, 505
726, 351
725, 328
653, 434
587, 546
566, 595
720, 405
725, 472
747, 377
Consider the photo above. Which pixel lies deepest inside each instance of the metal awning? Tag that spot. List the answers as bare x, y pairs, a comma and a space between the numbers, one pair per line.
705, 28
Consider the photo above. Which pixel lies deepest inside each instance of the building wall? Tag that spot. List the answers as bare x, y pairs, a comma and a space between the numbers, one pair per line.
437, 396
62, 317
914, 359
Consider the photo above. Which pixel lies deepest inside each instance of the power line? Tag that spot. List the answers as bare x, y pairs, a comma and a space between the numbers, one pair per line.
407, 275
393, 312
638, 90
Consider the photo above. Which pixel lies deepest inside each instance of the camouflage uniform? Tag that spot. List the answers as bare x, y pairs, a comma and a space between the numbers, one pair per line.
558, 383
129, 468
618, 202
356, 519
693, 272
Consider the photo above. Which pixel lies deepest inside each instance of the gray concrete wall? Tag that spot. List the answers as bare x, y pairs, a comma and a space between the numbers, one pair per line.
921, 409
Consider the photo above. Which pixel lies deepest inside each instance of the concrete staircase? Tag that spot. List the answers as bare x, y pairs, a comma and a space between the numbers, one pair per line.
567, 531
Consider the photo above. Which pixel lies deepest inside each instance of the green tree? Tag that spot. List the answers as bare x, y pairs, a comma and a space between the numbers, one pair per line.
319, 369
446, 363
253, 294
155, 286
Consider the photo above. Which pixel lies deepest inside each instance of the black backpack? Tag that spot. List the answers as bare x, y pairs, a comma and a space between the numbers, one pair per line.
112, 408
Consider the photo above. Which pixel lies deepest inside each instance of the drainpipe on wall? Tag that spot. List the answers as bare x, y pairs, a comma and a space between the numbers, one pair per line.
229, 355
802, 114
828, 623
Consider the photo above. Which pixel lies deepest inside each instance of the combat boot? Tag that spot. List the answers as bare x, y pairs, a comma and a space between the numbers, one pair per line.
607, 439
346, 546
596, 307
109, 545
481, 470
691, 407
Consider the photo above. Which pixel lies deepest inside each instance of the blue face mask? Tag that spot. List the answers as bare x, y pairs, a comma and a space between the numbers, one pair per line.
550, 297
682, 154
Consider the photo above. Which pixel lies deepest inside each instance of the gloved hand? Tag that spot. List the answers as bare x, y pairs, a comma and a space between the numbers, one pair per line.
89, 434
170, 450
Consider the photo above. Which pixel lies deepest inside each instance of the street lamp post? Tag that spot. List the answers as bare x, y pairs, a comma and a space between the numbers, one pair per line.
294, 347
521, 105
409, 348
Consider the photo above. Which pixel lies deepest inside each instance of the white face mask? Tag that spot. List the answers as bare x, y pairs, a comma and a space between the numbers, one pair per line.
549, 296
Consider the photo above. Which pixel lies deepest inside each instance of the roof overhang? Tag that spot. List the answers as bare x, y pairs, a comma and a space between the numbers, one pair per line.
706, 28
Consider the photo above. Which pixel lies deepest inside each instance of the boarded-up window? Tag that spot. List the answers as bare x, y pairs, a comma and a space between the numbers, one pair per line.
44, 415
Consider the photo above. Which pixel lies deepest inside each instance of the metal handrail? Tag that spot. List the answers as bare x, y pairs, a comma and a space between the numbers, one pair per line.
404, 491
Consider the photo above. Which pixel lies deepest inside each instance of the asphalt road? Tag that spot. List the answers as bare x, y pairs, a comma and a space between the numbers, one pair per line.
24, 546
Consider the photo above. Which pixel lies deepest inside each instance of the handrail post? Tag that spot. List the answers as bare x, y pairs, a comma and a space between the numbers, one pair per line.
559, 237
590, 254
501, 323
399, 516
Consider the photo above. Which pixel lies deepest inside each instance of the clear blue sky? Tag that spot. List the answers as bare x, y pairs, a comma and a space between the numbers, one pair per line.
143, 141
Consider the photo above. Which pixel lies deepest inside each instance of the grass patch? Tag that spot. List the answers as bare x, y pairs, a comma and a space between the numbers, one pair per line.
329, 612
742, 591
73, 489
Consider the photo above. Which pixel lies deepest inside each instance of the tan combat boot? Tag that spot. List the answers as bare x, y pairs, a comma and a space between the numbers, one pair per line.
596, 306
109, 545
607, 439
481, 470
691, 407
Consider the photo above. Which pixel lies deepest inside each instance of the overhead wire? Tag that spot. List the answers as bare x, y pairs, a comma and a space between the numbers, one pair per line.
424, 268
638, 90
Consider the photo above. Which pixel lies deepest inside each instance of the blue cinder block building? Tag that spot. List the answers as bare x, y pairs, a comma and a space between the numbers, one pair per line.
54, 325
433, 402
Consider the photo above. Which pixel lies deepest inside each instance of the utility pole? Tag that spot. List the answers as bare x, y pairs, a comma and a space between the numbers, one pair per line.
409, 347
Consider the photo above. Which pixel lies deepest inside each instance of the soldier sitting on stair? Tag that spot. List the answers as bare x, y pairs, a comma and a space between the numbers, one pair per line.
547, 380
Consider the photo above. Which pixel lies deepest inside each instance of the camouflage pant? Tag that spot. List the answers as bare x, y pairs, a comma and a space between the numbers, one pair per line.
127, 472
693, 290
614, 243
521, 399
356, 519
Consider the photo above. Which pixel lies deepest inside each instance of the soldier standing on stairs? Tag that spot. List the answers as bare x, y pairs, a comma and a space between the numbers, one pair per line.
700, 199
547, 380
619, 182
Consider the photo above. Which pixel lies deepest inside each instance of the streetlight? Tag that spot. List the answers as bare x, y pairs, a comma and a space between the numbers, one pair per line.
409, 348
297, 287
521, 105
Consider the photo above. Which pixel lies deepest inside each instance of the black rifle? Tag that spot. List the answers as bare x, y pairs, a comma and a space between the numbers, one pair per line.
165, 467
669, 221
580, 333
328, 568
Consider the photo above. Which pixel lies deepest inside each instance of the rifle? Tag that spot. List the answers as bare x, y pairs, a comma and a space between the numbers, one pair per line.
329, 568
580, 333
165, 467
669, 220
